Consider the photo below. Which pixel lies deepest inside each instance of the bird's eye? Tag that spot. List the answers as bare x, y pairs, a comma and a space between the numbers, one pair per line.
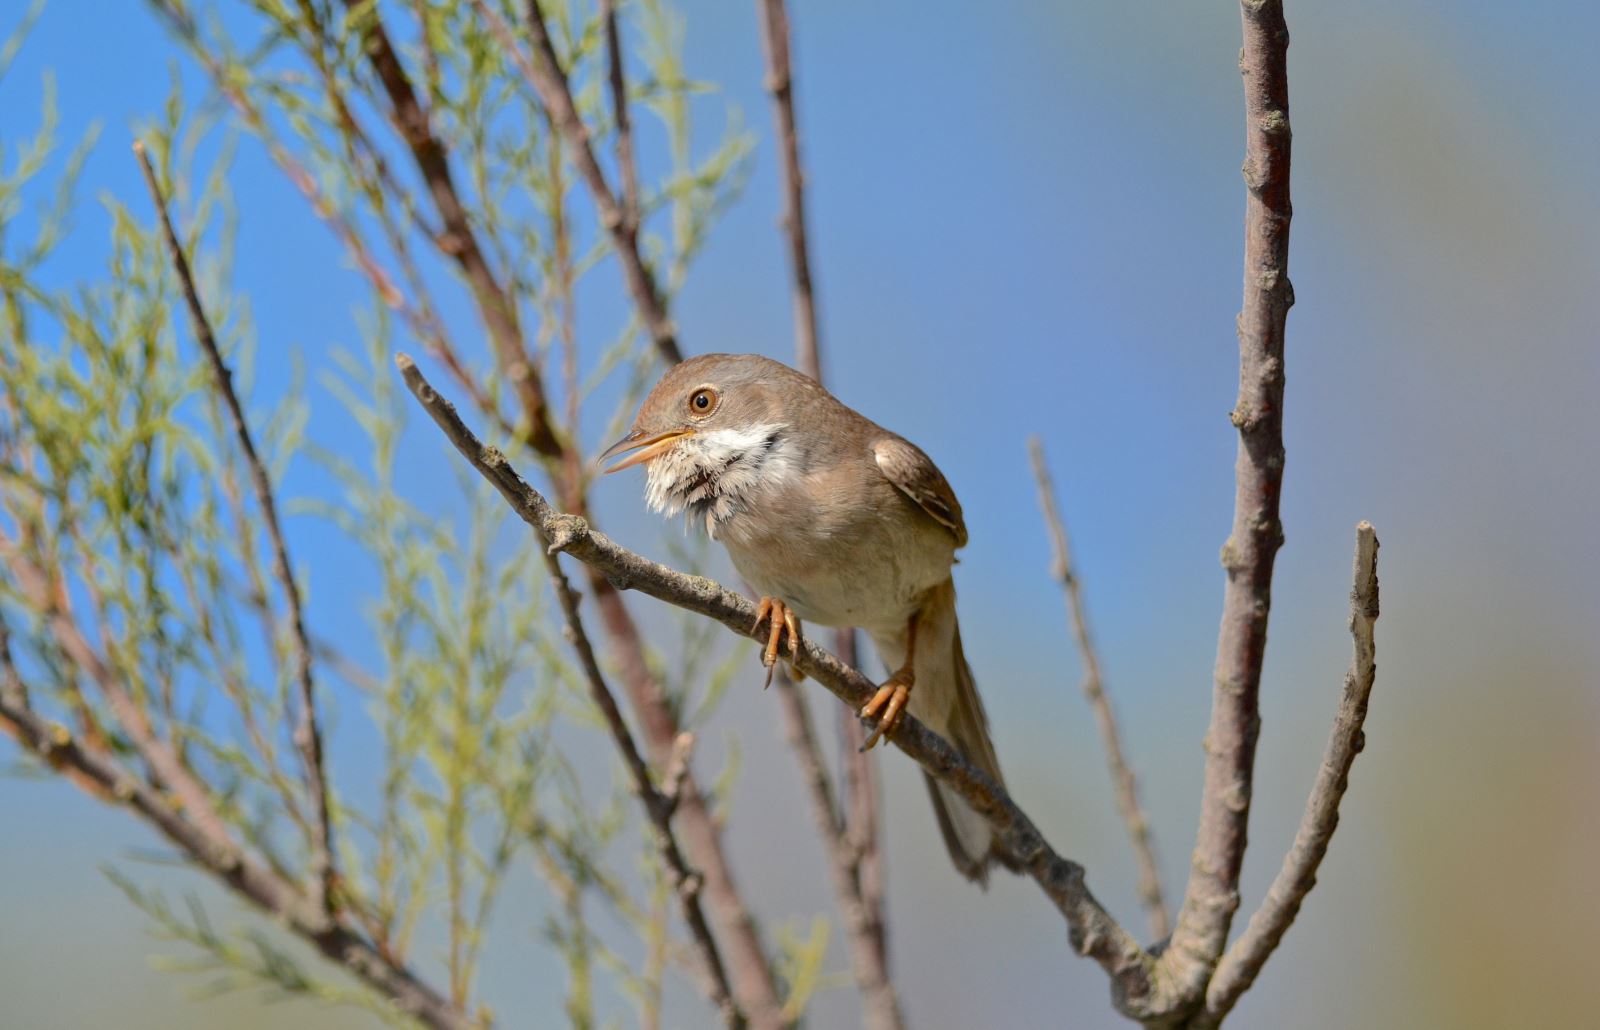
703, 402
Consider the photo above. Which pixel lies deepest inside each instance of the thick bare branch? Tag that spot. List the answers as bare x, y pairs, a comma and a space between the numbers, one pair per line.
1091, 929
658, 804
1212, 895
1122, 778
307, 732
1239, 967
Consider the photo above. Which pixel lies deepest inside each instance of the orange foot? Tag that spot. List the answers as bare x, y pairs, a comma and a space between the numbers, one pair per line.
782, 620
891, 699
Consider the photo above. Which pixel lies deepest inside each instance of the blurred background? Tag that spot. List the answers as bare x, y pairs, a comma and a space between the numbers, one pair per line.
1030, 222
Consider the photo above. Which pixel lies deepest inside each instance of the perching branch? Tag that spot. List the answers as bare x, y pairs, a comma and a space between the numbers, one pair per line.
1239, 967
658, 804
1212, 896
1091, 929
545, 75
1122, 778
307, 733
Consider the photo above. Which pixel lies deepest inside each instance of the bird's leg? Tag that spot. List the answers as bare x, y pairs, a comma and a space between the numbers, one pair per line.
895, 691
782, 620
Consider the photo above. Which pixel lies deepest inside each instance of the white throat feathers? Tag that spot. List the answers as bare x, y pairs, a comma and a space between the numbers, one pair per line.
712, 476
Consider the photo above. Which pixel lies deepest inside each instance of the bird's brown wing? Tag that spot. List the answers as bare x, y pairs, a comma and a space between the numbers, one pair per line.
916, 476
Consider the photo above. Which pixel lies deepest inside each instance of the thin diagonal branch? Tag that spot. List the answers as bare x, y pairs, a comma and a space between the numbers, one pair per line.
545, 75
1212, 895
1091, 930
459, 240
1239, 967
307, 733
1122, 778
658, 804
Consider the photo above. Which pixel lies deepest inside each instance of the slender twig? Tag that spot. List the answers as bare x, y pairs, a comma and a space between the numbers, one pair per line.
658, 805
100, 775
1243, 961
780, 83
1091, 930
1122, 779
627, 166
549, 82
307, 733
1212, 895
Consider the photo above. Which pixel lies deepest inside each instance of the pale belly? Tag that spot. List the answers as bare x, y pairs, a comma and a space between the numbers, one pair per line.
870, 573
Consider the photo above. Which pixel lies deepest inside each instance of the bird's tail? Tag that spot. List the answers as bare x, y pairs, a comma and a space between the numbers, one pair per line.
945, 697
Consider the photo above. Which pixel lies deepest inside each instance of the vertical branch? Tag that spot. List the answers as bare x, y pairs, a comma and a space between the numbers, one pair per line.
780, 83
627, 167
1122, 778
1213, 891
307, 734
852, 844
1239, 967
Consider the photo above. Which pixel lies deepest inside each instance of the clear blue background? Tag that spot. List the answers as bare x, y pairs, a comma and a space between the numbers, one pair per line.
1028, 221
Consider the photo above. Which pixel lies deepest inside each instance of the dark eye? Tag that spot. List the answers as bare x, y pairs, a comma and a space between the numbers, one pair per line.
703, 401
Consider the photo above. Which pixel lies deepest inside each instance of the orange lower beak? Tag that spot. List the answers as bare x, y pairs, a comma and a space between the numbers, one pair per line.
643, 447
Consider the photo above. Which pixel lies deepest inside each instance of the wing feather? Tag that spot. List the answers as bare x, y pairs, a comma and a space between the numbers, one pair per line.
916, 476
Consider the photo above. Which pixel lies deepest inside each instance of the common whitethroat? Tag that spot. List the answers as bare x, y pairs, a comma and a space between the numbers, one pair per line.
834, 520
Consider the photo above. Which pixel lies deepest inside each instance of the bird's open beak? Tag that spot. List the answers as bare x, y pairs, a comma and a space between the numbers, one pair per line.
644, 448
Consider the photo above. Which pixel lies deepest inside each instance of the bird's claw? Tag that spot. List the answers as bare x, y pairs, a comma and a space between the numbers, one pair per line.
891, 699
782, 621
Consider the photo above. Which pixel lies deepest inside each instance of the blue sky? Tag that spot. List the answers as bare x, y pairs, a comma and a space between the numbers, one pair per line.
1031, 223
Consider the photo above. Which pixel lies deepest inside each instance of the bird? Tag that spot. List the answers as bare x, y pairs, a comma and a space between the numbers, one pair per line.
835, 521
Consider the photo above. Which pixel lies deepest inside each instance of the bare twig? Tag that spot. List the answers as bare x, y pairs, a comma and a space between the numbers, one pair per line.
658, 804
627, 167
1122, 778
545, 75
780, 83
307, 734
1243, 961
1212, 896
1091, 929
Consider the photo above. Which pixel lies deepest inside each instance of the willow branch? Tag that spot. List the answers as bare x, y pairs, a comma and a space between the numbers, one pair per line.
1243, 961
658, 804
1122, 779
550, 83
617, 79
1212, 895
1091, 930
307, 733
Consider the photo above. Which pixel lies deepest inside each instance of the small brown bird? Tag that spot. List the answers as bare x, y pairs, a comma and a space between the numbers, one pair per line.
837, 521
